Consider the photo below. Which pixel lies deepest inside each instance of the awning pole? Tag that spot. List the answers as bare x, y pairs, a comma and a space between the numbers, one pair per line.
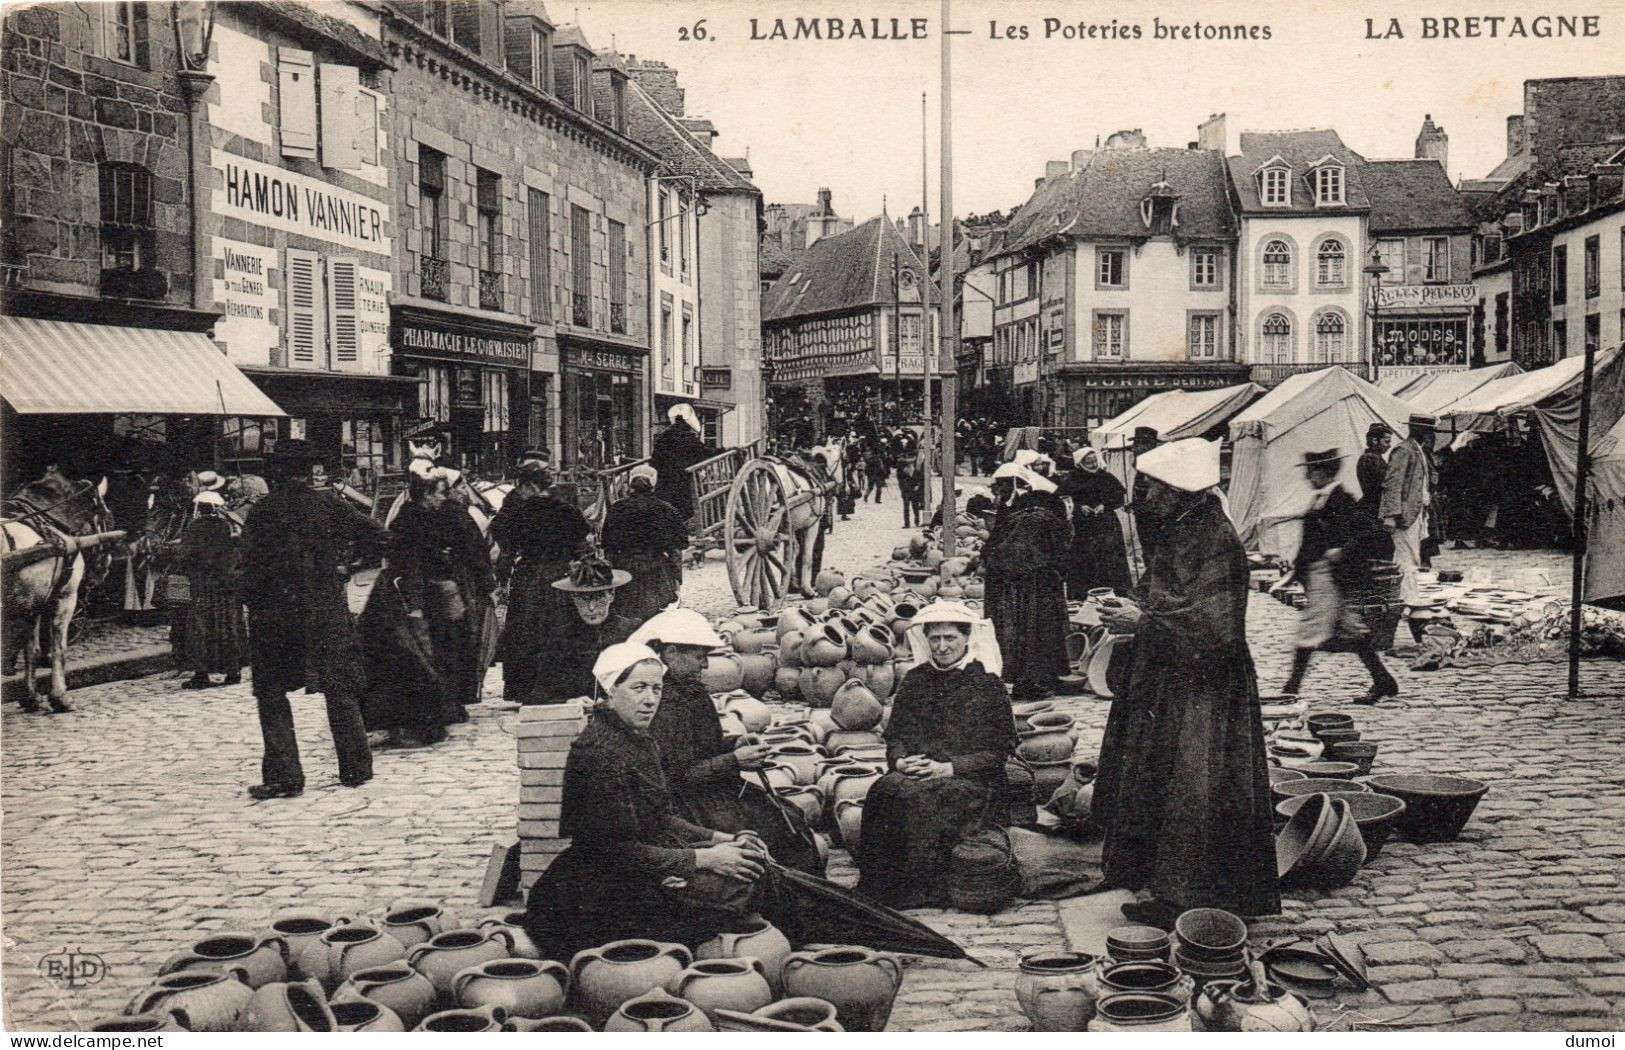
1582, 468
950, 330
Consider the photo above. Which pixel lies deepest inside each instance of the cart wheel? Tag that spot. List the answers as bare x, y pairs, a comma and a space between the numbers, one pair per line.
756, 536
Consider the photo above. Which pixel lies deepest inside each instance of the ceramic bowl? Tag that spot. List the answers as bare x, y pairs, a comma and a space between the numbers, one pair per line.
1307, 826
1437, 807
1315, 785
1359, 752
1137, 944
1280, 775
1328, 720
1332, 737
1210, 934
1344, 852
1374, 814
1335, 770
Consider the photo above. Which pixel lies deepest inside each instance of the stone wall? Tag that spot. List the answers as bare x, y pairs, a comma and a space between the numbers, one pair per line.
731, 309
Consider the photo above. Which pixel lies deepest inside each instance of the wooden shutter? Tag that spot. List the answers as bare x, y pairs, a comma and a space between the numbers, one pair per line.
340, 88
343, 319
366, 125
296, 102
306, 336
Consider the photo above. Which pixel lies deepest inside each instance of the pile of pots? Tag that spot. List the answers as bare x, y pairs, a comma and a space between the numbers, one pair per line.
415, 967
1201, 978
1047, 740
929, 573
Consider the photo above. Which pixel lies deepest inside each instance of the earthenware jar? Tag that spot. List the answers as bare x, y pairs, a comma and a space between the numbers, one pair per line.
345, 950
514, 924
443, 956
166, 1021
824, 647
802, 758
522, 987
298, 927
603, 978
722, 672
657, 1010
724, 984
756, 938
262, 958
850, 783
881, 678
815, 1015
846, 739
210, 1002
854, 708
413, 921
1057, 990
484, 1019
826, 581
750, 642
1141, 1012
860, 984
1149, 976
287, 1007
396, 987
791, 619
819, 684
902, 617
360, 1015
808, 798
561, 1023
1236, 1006
755, 714
787, 682
758, 669
849, 820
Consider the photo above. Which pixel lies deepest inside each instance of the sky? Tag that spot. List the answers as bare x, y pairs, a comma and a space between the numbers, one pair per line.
847, 114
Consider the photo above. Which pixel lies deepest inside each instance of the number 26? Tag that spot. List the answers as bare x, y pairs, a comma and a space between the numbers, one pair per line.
695, 32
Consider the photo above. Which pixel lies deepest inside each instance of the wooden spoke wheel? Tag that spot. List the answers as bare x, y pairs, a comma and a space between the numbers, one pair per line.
756, 536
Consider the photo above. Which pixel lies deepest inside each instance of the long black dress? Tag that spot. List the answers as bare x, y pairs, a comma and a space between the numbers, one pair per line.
626, 839
542, 534
910, 826
1023, 558
645, 535
674, 451
215, 639
1183, 789
1099, 557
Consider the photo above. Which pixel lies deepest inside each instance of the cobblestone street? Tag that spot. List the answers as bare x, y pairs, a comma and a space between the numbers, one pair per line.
127, 833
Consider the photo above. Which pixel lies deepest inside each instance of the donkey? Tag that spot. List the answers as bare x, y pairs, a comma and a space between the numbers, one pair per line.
51, 512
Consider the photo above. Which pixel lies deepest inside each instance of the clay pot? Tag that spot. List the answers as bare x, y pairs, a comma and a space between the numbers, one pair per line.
872, 645
756, 939
804, 1013
261, 958
485, 1019
297, 928
729, 628
933, 558
1141, 1012
413, 922
826, 581
848, 782
1057, 990
854, 708
787, 682
791, 619
202, 1001
757, 670
1046, 747
288, 1007
725, 984
748, 642
1049, 722
790, 644
1047, 776
881, 679
603, 978
138, 1023
839, 597
359, 1015
822, 725
859, 983
926, 588
849, 821
562, 1023
801, 758
819, 684
755, 714
899, 554
787, 733
902, 617
806, 797
732, 728
442, 957
658, 1011
777, 775
952, 591
345, 950
863, 589
1023, 712
825, 647
815, 606
975, 590
522, 988
1143, 976
722, 673
1237, 1006
848, 739
514, 923
396, 987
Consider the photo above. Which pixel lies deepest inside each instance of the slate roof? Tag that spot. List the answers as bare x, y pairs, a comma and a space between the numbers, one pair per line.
680, 152
1102, 199
846, 272
773, 259
1300, 150
1409, 195
570, 34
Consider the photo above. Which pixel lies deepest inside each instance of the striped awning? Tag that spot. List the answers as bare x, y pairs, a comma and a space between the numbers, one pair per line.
69, 368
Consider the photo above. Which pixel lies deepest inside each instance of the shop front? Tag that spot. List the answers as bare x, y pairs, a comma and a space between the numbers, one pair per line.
1086, 395
602, 403
1413, 342
474, 382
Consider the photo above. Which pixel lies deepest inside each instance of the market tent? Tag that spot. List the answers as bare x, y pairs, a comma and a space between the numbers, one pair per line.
1435, 392
1605, 546
1173, 414
1311, 411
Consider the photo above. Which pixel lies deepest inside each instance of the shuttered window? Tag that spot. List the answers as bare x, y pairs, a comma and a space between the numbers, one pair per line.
296, 102
541, 256
367, 105
343, 320
340, 133
305, 330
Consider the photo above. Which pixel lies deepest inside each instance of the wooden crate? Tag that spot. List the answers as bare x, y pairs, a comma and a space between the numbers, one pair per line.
543, 738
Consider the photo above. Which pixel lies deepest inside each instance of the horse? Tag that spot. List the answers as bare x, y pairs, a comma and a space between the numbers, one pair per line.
810, 481
60, 515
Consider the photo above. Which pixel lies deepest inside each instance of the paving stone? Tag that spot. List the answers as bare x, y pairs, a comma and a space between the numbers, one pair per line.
1403, 952
1431, 991
1522, 987
1477, 1007
1572, 947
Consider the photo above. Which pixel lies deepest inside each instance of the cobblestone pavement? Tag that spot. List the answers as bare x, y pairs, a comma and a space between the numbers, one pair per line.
127, 834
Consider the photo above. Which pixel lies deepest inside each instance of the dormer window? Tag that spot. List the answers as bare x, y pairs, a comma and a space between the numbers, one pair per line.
579, 81
1276, 188
1329, 184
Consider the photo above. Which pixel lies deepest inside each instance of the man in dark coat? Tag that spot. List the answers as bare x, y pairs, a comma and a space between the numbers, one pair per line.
1023, 561
1372, 466
589, 627
646, 536
679, 448
1183, 789
296, 543
539, 534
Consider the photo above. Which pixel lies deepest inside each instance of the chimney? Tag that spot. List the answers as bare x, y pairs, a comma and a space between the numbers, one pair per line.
1126, 139
1212, 134
1432, 143
824, 205
660, 82
1056, 167
916, 227
700, 128
1038, 182
1517, 143
1080, 158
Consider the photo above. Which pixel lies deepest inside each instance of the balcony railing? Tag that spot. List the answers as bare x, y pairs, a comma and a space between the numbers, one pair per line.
580, 310
1275, 375
617, 317
435, 276
490, 290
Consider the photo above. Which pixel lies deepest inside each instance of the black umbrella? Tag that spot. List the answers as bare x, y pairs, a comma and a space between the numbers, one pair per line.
811, 910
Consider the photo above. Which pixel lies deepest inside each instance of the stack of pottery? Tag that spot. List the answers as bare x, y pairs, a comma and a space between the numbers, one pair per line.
1046, 746
755, 938
443, 957
1321, 844
1149, 996
855, 708
1212, 945
1138, 944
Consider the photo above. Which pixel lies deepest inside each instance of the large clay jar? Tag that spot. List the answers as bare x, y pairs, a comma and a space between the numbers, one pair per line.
514, 923
849, 819
777, 774
442, 957
824, 647
854, 708
208, 1002
722, 673
790, 648
819, 684
298, 928
657, 1010
756, 938
484, 1019
522, 987
755, 714
746, 642
853, 739
787, 682
261, 958
757, 670
1057, 990
872, 645
881, 678
1149, 976
791, 619
359, 1015
805, 797
1052, 746
288, 1007
412, 921
827, 581
169, 1021
1237, 1006
561, 1023
859, 983
725, 984
902, 617
802, 758
396, 987
814, 1015
840, 597
1141, 1012
603, 978
852, 784
345, 950
822, 725
863, 588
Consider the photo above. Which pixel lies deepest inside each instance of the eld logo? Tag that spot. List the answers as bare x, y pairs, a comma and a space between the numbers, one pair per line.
73, 968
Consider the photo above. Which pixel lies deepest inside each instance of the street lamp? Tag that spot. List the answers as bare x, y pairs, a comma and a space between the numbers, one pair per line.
1374, 270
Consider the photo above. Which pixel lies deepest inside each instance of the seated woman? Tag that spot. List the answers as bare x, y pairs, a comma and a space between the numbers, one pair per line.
634, 867
947, 742
590, 626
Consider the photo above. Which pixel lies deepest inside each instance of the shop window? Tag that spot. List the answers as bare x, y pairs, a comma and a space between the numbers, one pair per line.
1435, 259
1560, 274
1111, 268
1331, 338
1205, 268
617, 277
1277, 343
1203, 337
540, 222
1111, 335
1593, 266
365, 453
1329, 268
128, 237
494, 399
1277, 265
434, 393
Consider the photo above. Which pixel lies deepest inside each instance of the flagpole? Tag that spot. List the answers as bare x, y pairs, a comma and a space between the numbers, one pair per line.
950, 330
926, 344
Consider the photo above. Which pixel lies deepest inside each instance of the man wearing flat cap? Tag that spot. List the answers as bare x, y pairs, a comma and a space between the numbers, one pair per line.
590, 627
1404, 504
1372, 466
